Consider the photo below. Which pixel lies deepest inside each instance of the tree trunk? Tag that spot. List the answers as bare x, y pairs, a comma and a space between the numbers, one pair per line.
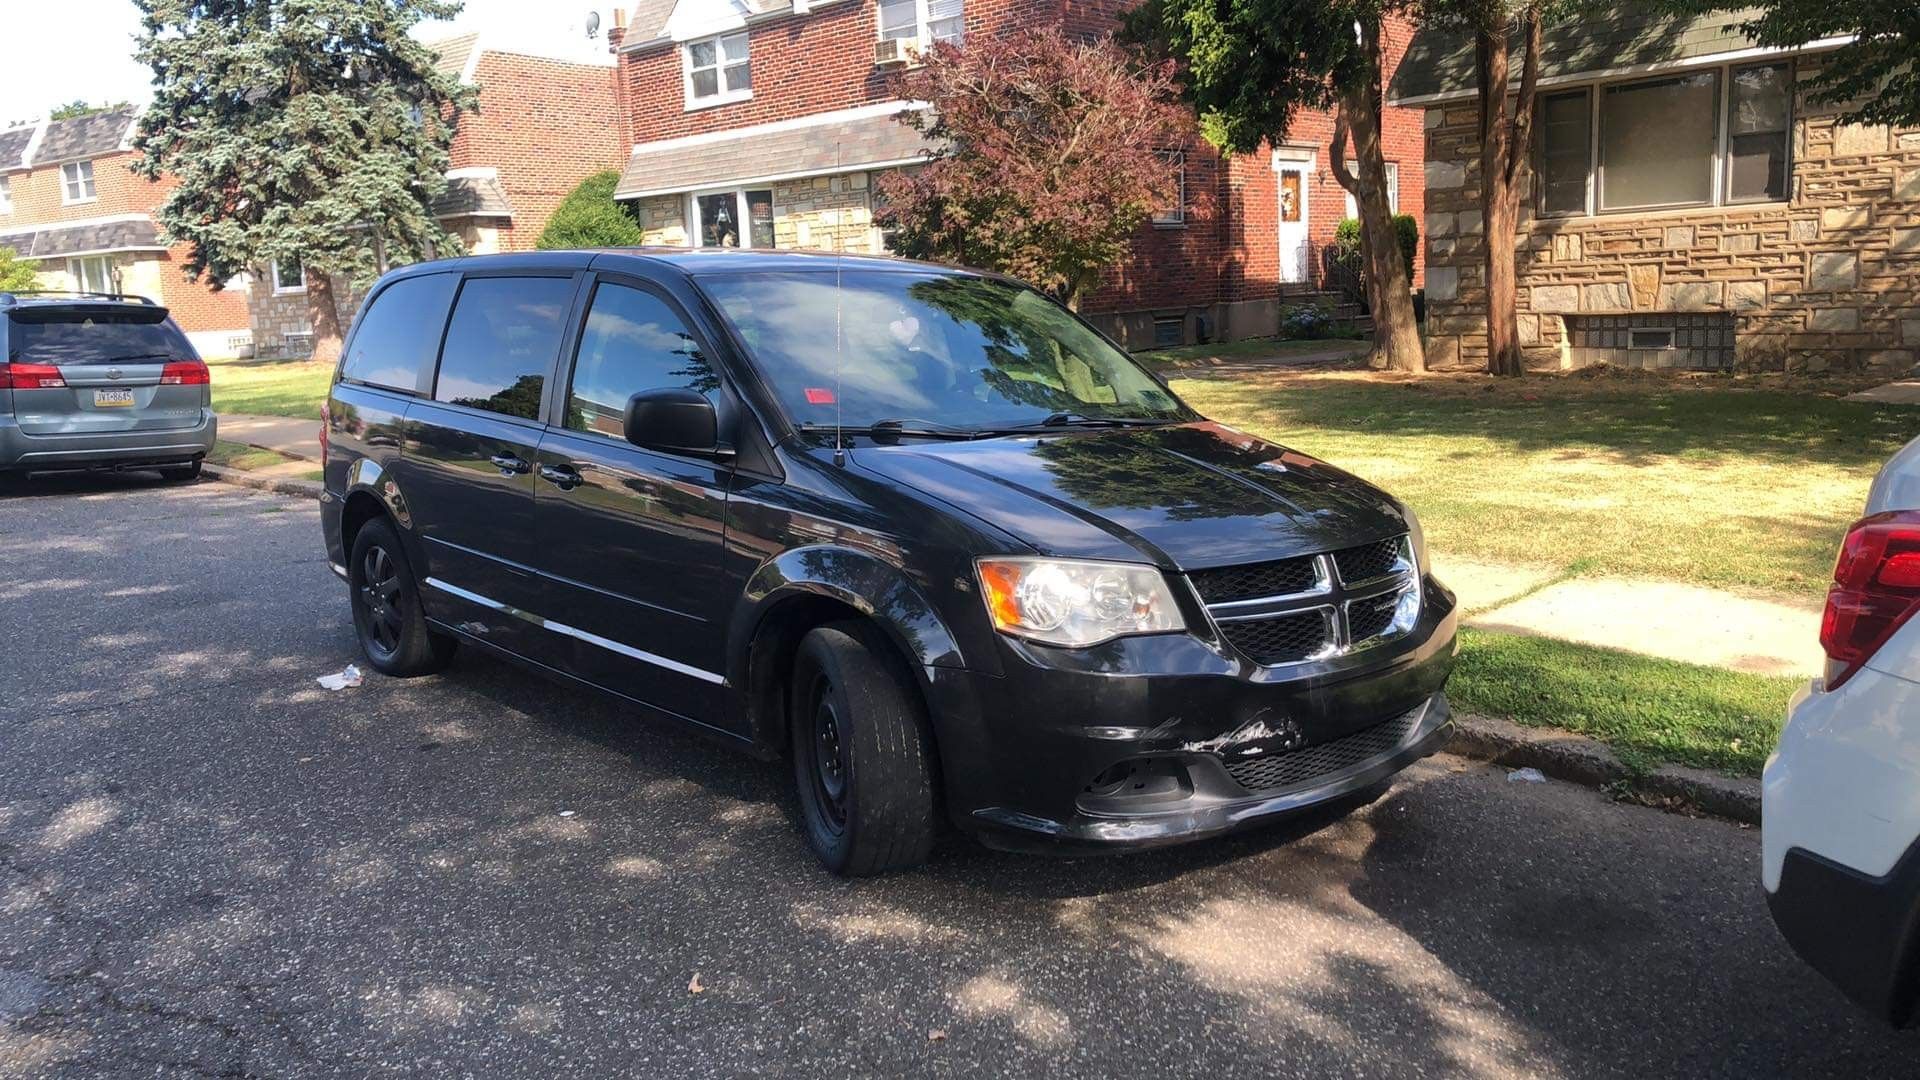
1505, 141
324, 315
1396, 334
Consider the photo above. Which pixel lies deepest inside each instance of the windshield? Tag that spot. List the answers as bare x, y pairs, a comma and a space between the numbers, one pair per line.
79, 336
929, 350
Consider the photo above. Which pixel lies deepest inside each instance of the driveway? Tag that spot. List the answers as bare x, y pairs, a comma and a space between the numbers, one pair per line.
209, 866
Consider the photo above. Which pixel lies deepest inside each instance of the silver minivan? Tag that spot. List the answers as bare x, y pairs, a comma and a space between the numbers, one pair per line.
99, 381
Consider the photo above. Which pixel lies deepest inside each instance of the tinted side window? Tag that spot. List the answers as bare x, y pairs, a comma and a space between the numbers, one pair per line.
633, 342
503, 337
395, 341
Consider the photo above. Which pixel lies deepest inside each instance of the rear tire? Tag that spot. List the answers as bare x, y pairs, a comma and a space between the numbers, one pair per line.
862, 754
387, 614
181, 473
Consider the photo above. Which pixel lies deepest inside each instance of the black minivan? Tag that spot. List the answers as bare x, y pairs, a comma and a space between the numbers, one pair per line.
921, 531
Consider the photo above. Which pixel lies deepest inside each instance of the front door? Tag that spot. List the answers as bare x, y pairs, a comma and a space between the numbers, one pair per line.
1294, 256
629, 540
736, 218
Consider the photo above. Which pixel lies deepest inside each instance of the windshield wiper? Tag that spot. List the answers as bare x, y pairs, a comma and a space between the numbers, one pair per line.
1073, 419
137, 356
925, 429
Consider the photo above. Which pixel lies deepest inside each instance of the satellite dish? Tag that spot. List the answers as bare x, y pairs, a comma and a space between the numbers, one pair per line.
593, 25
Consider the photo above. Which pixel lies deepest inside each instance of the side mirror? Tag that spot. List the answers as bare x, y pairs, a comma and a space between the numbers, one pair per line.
676, 420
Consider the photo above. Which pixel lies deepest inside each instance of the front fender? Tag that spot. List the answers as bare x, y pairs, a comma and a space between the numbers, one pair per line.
859, 579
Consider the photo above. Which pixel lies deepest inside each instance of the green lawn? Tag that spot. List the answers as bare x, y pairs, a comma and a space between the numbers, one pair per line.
1650, 711
1231, 351
1699, 481
271, 387
241, 456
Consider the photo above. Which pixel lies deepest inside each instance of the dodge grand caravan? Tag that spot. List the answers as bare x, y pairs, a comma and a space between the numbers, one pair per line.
920, 531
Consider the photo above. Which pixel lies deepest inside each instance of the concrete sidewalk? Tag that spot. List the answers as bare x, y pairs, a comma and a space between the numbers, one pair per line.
295, 438
1654, 618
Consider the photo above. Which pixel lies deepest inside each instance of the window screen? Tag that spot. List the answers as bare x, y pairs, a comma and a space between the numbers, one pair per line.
633, 342
1657, 142
1758, 119
1566, 149
396, 338
501, 341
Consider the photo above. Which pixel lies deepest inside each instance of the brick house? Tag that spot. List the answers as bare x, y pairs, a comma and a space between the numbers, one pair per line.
71, 202
1689, 207
543, 125
763, 123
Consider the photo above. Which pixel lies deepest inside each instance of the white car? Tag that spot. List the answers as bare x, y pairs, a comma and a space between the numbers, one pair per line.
1840, 802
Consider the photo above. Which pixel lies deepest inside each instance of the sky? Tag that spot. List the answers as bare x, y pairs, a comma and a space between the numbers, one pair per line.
56, 51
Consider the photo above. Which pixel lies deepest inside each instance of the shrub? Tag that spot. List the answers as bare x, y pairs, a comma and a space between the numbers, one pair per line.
1309, 321
1346, 238
16, 273
589, 217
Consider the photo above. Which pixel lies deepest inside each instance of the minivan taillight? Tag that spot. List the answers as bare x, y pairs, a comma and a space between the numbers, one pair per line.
185, 373
31, 377
1876, 589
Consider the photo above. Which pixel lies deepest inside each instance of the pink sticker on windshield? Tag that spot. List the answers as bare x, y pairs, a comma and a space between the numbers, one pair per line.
819, 395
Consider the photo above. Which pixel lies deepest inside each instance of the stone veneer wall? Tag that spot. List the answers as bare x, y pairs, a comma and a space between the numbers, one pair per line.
280, 320
822, 213
1828, 279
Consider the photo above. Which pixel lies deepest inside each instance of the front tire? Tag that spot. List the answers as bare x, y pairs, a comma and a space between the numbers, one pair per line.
862, 754
387, 615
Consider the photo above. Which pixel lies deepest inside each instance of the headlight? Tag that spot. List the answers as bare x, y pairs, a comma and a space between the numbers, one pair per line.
1068, 602
1419, 538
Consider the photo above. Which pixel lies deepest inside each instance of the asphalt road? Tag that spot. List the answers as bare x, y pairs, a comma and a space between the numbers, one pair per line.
211, 867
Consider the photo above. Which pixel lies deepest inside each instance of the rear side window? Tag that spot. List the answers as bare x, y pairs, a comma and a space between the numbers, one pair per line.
79, 336
502, 340
394, 344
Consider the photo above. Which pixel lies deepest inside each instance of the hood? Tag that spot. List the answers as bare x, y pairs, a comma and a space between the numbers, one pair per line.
1191, 496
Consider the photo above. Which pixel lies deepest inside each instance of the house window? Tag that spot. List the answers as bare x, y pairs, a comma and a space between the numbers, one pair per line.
6, 195
1662, 142
1174, 216
1758, 120
289, 276
94, 273
76, 182
717, 70
926, 21
1393, 188
737, 218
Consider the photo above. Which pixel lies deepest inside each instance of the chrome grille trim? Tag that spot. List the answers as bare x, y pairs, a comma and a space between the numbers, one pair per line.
1333, 596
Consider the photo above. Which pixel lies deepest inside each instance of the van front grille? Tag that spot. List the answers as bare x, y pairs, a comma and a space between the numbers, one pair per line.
1368, 561
1311, 607
1288, 768
1282, 640
1229, 584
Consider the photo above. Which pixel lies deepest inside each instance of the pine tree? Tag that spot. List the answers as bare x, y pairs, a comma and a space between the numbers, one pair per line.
308, 130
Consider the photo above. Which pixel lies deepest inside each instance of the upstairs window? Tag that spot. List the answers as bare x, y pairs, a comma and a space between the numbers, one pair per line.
717, 70
6, 195
1712, 137
1174, 216
925, 21
76, 182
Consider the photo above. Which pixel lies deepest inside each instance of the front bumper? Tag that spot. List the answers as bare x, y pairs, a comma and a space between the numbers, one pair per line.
1161, 740
105, 450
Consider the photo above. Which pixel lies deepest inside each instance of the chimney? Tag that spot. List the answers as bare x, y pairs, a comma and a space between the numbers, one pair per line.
622, 120
618, 31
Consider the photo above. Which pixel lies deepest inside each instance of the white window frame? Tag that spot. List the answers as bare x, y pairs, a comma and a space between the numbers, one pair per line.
282, 289
1722, 158
1393, 188
77, 176
6, 195
1175, 216
78, 267
721, 63
922, 24
694, 229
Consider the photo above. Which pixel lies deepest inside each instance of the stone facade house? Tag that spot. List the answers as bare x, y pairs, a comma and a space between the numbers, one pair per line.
1688, 207
764, 123
71, 202
543, 125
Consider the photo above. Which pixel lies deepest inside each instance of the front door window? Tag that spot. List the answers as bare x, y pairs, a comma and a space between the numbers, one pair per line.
1294, 256
738, 218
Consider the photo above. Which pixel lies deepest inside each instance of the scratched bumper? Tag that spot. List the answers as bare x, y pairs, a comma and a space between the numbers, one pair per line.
1048, 755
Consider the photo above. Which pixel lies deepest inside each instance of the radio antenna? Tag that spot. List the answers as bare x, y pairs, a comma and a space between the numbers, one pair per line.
839, 332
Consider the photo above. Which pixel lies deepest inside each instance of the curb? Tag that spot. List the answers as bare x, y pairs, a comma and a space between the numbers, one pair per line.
279, 485
1580, 760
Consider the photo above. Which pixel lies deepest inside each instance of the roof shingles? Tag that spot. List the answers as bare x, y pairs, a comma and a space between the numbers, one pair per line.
842, 146
91, 136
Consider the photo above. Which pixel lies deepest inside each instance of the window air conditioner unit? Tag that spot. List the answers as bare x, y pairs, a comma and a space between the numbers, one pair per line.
896, 50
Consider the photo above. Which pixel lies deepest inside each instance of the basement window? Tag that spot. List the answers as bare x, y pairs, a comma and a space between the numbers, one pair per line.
1169, 330
1650, 339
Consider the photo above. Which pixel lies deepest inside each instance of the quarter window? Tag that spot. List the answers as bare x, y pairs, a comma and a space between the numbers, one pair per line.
633, 342
76, 182
717, 70
926, 21
1566, 139
1758, 119
501, 341
395, 340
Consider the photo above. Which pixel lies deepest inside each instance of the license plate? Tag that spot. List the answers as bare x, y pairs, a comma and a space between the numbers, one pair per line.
113, 399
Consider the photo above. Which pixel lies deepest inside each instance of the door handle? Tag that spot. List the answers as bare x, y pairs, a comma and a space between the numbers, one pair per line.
510, 465
564, 477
